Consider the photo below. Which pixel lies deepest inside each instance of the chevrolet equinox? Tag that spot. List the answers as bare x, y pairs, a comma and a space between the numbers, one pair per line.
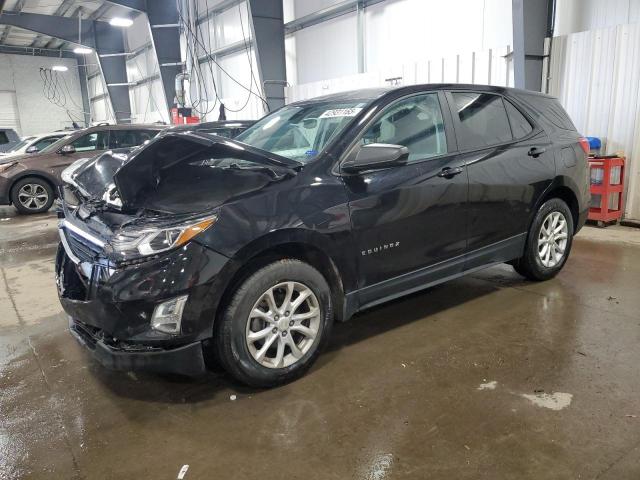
198, 247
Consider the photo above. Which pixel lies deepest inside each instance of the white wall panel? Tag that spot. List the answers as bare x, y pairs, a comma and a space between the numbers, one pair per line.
491, 67
36, 114
574, 16
409, 30
396, 32
300, 8
327, 50
595, 75
230, 28
236, 96
138, 34
148, 102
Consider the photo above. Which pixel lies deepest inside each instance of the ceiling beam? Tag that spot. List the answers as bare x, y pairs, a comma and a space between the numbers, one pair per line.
19, 6
64, 28
62, 9
35, 52
138, 5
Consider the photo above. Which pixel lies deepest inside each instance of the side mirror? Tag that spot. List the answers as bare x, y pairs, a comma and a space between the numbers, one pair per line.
376, 155
67, 150
32, 149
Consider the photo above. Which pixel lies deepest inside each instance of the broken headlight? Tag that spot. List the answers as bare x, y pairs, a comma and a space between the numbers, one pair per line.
136, 242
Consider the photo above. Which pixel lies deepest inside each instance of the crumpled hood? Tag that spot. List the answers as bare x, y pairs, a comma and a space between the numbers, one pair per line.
180, 173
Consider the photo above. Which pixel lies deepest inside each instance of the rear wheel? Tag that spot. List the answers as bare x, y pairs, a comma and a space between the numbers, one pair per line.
548, 243
32, 195
275, 324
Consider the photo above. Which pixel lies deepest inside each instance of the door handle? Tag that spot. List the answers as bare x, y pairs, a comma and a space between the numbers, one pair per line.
450, 172
535, 152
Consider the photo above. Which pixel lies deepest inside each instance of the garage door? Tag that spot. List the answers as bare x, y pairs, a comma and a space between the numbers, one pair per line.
9, 110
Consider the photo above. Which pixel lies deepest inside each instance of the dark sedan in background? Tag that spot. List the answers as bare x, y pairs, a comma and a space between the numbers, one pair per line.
222, 128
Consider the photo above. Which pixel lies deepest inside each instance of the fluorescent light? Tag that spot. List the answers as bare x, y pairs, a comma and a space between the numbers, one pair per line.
59, 68
120, 22
82, 50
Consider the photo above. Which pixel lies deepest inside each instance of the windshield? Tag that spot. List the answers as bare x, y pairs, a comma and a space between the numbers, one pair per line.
18, 146
300, 132
56, 145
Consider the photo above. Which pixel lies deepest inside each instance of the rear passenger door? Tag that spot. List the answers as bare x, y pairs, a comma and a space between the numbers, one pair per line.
495, 140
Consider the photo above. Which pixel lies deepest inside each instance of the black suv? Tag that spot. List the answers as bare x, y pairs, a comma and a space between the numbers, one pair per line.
246, 250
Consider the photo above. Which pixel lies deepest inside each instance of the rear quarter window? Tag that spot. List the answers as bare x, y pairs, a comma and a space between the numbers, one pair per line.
551, 111
520, 126
482, 120
3, 138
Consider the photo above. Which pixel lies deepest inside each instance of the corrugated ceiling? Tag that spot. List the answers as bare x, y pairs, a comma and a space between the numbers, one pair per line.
94, 9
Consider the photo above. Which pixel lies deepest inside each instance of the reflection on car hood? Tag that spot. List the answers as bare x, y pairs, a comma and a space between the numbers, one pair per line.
10, 158
179, 173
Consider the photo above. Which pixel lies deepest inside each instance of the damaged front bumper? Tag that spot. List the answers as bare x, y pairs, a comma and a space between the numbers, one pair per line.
110, 308
183, 360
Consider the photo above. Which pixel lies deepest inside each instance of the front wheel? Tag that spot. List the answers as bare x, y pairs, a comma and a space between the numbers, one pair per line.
32, 195
275, 324
548, 243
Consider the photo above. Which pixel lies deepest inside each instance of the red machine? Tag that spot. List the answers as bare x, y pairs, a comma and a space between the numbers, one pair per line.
607, 185
182, 116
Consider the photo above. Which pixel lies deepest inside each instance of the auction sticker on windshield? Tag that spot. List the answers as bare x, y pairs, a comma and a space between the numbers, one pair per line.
341, 112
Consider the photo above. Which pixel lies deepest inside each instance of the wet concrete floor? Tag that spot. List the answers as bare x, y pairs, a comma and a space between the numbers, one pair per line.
488, 376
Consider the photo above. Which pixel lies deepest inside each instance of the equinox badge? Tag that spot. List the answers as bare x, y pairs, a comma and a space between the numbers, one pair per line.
381, 248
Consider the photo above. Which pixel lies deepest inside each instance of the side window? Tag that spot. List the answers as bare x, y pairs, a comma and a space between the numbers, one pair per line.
3, 138
45, 142
145, 135
415, 123
122, 139
520, 126
91, 141
483, 120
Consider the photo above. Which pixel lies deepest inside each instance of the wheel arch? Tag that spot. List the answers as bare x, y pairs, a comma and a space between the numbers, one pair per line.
565, 189
304, 245
31, 174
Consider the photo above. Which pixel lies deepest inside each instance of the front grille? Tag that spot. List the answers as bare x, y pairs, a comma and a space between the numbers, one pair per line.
81, 248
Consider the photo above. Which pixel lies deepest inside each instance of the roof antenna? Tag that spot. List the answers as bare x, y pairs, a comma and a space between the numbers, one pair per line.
223, 116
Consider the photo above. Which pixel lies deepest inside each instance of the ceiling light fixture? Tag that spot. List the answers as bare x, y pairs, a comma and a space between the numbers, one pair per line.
82, 50
120, 22
59, 68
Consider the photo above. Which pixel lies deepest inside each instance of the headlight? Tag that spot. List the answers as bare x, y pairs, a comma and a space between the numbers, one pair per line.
67, 173
6, 166
150, 241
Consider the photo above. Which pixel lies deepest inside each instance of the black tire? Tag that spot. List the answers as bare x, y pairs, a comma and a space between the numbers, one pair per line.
38, 186
231, 344
530, 265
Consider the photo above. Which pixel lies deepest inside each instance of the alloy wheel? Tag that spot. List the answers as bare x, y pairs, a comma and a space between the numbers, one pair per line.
33, 196
552, 239
283, 325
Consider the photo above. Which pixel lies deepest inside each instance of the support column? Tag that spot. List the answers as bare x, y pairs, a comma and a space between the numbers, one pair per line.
267, 23
109, 43
165, 34
530, 18
84, 88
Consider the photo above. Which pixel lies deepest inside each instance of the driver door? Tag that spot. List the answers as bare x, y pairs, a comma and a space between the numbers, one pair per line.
409, 221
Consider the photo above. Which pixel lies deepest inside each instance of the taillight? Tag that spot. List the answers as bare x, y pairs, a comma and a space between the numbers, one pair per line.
584, 143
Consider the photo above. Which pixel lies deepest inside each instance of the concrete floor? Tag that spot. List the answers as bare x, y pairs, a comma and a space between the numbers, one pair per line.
485, 377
